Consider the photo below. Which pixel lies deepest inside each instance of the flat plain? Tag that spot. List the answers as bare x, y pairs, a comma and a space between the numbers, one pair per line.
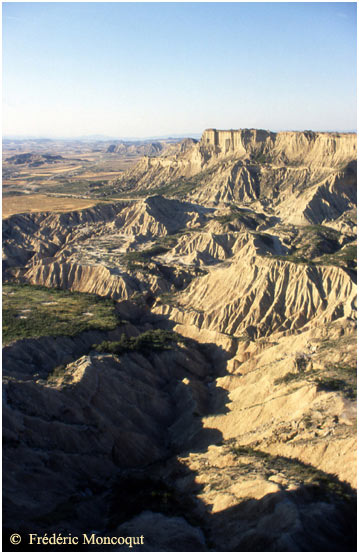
71, 168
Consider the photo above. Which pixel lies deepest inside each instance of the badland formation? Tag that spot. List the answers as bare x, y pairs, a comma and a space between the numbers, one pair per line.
216, 410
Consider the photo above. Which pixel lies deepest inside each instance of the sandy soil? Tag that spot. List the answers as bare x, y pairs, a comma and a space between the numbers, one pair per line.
40, 202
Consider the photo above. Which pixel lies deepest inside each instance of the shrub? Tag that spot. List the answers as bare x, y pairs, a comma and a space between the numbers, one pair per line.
31, 311
136, 260
58, 372
326, 484
333, 384
287, 378
157, 339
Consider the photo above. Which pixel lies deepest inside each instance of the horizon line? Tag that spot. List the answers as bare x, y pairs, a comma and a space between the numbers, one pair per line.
103, 137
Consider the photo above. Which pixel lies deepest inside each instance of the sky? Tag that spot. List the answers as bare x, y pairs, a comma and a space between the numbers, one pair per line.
154, 69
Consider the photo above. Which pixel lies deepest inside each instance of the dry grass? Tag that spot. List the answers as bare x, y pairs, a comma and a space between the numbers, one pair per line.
28, 203
51, 171
100, 174
19, 182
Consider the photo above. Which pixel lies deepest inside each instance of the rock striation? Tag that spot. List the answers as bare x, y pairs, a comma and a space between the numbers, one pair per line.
320, 149
238, 436
318, 170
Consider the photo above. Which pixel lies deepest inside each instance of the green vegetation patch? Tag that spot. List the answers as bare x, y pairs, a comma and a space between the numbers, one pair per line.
294, 259
158, 339
181, 187
345, 257
288, 378
65, 186
137, 259
333, 378
144, 256
325, 483
239, 215
261, 158
57, 373
178, 188
31, 311
339, 378
321, 245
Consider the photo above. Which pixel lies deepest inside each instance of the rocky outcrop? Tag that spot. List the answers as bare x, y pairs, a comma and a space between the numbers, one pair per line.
265, 297
276, 403
158, 216
39, 235
317, 171
83, 278
308, 147
85, 251
257, 502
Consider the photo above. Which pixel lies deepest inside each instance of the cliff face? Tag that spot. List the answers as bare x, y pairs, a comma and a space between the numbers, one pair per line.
308, 147
241, 141
276, 170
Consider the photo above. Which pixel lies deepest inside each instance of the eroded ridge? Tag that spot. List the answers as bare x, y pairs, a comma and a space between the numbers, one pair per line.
190, 373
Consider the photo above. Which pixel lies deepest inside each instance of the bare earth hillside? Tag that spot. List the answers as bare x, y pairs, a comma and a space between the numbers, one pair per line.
218, 412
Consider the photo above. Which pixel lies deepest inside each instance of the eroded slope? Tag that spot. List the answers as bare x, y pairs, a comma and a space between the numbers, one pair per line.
314, 171
243, 430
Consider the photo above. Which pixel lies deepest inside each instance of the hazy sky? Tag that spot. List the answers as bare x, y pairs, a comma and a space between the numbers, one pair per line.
144, 69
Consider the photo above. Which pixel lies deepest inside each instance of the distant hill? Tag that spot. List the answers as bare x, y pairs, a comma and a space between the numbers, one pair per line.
137, 148
34, 160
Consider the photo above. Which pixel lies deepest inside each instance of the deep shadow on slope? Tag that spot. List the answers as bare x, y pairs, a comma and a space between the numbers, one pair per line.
303, 520
87, 506
311, 518
318, 516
